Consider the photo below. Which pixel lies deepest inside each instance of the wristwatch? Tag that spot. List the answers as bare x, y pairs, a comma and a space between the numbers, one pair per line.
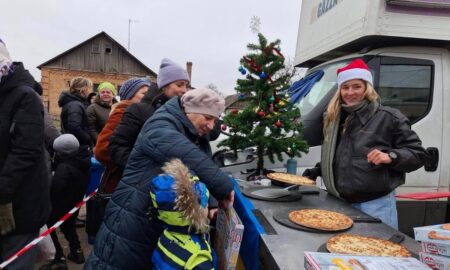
393, 156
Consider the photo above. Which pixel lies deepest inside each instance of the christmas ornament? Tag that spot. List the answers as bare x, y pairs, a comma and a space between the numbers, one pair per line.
277, 99
241, 96
286, 96
271, 99
223, 127
242, 70
261, 114
262, 75
282, 103
271, 108
234, 111
278, 123
293, 146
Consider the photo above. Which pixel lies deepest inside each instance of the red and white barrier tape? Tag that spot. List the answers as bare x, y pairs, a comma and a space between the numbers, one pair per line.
47, 232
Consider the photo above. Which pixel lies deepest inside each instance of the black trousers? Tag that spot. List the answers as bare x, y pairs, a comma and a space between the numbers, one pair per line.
69, 230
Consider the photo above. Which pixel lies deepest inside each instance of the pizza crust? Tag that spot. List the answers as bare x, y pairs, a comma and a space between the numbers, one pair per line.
321, 219
364, 245
291, 179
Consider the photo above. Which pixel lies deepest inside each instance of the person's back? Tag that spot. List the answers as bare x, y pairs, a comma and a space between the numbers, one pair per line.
24, 190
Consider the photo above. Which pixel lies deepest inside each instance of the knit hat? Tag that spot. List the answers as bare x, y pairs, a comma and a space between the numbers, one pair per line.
5, 60
355, 70
109, 86
131, 86
204, 101
170, 72
66, 144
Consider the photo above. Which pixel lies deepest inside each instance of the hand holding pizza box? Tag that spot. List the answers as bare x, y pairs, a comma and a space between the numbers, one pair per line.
229, 231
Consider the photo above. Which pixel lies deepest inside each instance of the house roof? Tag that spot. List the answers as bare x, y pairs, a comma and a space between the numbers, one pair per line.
88, 40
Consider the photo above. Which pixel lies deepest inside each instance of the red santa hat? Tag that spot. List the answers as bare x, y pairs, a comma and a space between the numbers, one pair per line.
355, 70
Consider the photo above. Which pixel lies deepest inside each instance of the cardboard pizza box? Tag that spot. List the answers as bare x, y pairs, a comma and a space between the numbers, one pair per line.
436, 248
228, 237
333, 261
434, 234
435, 261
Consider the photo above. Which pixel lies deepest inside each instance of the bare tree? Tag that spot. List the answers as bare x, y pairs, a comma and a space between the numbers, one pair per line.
215, 89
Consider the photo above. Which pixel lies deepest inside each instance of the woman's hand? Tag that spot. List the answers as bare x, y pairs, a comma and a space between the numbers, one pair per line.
377, 157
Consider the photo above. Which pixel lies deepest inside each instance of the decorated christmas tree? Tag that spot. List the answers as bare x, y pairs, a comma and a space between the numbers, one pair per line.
268, 121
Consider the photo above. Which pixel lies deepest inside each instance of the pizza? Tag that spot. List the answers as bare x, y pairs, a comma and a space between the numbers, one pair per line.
321, 219
291, 179
364, 245
446, 226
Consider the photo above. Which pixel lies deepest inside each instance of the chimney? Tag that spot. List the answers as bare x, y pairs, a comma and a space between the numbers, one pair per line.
189, 70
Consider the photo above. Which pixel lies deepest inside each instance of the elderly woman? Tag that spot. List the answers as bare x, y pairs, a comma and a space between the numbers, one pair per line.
367, 148
178, 129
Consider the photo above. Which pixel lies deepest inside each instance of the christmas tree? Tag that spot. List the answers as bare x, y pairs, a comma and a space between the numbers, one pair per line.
268, 121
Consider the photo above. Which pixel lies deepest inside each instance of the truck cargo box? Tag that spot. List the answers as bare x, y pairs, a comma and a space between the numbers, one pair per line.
333, 28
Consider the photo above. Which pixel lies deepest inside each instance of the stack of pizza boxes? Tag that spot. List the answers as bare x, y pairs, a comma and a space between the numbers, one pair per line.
435, 245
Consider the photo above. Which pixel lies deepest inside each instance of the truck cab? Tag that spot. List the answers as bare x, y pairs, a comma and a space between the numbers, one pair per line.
407, 50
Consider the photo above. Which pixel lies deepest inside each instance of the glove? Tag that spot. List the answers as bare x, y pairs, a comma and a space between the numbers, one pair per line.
313, 173
7, 223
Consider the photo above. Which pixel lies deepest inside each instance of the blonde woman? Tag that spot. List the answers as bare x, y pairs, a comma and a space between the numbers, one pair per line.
367, 147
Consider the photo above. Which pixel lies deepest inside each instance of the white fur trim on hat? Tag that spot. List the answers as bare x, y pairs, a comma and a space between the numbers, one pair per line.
354, 73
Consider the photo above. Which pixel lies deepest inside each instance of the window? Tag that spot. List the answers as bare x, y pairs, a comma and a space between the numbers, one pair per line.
108, 48
407, 88
321, 88
95, 47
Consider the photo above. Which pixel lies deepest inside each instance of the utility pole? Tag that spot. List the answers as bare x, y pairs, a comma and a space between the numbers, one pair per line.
129, 31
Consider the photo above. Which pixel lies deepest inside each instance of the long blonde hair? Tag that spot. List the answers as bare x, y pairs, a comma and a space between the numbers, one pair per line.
334, 106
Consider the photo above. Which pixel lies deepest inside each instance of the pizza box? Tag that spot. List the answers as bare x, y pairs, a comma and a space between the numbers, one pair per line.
433, 234
333, 261
435, 261
436, 248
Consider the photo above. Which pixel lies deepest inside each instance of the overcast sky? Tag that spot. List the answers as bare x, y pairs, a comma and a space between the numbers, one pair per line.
211, 34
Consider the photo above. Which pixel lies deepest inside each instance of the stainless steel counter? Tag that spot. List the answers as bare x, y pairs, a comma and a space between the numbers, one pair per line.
284, 250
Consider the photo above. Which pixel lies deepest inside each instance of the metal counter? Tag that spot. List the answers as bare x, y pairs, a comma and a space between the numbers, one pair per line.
285, 249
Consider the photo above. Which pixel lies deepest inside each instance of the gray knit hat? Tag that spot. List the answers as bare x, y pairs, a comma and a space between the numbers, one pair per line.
131, 86
204, 101
170, 72
66, 144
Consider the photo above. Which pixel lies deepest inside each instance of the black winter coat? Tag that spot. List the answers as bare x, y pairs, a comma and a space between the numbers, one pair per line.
73, 117
387, 130
130, 229
122, 141
23, 171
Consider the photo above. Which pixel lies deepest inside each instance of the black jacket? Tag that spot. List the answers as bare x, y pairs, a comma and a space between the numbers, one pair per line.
387, 130
130, 231
122, 141
73, 117
23, 172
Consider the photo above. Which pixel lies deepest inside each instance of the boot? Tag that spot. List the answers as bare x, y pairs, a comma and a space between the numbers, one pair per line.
55, 264
76, 256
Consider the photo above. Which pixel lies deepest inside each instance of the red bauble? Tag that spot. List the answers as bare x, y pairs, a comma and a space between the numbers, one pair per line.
234, 111
261, 113
223, 127
278, 123
277, 99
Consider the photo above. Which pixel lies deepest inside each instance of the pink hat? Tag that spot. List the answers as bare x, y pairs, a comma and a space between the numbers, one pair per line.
355, 70
204, 101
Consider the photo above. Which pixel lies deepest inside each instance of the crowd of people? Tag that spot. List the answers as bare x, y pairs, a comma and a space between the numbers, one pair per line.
154, 142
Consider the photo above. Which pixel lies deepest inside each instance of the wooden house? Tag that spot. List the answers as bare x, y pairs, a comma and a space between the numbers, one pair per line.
100, 58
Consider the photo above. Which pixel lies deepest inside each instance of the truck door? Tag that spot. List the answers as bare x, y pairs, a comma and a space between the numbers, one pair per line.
413, 86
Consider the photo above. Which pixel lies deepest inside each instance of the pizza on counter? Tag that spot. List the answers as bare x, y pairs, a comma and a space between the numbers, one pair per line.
291, 179
321, 219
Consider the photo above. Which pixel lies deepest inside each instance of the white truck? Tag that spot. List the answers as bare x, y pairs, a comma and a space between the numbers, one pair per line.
406, 44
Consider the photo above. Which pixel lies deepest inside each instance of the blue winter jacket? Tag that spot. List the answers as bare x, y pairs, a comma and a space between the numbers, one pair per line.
130, 229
